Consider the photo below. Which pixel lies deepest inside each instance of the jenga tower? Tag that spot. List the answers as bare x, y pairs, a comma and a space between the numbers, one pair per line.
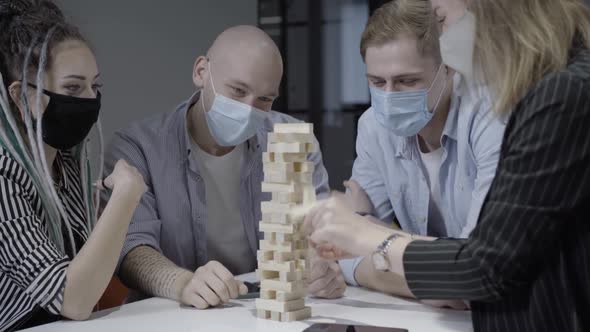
282, 258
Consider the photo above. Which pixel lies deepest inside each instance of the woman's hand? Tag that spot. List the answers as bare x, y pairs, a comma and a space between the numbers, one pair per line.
337, 232
126, 178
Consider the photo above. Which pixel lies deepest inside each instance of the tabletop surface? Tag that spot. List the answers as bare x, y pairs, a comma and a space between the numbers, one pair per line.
358, 306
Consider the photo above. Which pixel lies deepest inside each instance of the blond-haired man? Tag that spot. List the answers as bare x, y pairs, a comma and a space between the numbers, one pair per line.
427, 151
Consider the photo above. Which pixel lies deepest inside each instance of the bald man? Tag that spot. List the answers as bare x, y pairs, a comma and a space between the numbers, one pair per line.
197, 225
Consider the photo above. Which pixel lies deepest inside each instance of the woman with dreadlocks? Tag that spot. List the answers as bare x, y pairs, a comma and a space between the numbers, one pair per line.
56, 255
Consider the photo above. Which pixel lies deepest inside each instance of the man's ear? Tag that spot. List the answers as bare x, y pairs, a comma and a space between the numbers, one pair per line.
199, 70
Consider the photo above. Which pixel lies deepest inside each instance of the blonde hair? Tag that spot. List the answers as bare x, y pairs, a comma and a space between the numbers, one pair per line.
411, 18
519, 42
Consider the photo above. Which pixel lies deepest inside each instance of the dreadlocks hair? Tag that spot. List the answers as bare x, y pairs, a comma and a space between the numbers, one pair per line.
30, 31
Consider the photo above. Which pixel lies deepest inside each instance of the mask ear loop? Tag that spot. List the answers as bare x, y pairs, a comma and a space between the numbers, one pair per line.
443, 90
212, 86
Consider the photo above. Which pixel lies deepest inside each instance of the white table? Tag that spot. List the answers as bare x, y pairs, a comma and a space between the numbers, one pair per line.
358, 306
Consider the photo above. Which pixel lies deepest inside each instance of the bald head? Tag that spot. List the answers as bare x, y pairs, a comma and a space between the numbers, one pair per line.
245, 42
243, 64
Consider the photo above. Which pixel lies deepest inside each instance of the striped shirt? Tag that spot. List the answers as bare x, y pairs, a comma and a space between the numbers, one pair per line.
526, 266
32, 269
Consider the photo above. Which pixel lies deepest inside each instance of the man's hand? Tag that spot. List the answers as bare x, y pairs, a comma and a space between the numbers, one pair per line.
211, 285
326, 279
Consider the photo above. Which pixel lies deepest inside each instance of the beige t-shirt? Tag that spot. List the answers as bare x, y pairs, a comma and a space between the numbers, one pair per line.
226, 237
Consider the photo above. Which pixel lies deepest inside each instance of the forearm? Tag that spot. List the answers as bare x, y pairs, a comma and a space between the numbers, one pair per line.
91, 270
385, 282
148, 271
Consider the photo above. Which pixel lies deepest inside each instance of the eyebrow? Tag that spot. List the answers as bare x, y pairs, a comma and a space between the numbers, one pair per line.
406, 75
247, 87
80, 77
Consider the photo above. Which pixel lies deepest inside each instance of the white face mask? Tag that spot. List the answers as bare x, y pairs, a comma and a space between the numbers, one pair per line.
231, 122
457, 44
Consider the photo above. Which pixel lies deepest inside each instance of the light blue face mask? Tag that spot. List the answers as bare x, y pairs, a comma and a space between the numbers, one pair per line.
404, 113
231, 122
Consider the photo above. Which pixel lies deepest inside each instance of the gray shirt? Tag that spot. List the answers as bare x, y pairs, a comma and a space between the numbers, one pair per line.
172, 214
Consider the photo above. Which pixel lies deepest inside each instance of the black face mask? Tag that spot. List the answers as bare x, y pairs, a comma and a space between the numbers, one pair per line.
67, 120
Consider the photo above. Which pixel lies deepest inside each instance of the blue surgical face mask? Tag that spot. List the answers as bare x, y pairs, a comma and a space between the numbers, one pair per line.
404, 113
456, 48
231, 122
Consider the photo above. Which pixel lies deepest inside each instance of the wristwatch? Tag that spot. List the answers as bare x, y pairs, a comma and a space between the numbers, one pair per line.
379, 257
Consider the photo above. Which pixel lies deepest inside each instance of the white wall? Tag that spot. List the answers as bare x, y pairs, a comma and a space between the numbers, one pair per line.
146, 49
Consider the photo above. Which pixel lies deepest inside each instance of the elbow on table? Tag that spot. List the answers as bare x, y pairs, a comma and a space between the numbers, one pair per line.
76, 313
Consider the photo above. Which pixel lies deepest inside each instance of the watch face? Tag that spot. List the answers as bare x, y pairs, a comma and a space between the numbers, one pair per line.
379, 262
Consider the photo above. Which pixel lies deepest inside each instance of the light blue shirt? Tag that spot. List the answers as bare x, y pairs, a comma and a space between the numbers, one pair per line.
389, 169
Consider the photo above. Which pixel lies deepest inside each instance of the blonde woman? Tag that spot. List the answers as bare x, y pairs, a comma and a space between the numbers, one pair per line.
526, 265
56, 259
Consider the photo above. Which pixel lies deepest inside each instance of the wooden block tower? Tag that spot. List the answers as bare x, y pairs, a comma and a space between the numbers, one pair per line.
283, 256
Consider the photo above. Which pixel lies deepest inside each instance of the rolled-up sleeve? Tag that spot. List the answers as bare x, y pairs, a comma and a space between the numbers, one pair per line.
145, 226
27, 256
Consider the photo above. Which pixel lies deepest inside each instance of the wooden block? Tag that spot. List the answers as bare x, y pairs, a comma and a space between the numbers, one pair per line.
270, 237
265, 274
280, 237
281, 247
277, 228
278, 177
280, 187
302, 264
268, 294
304, 167
288, 177
272, 207
292, 316
295, 215
278, 166
281, 257
290, 276
280, 306
296, 198
275, 218
271, 157
293, 128
264, 314
290, 137
289, 296
289, 287
264, 255
275, 316
278, 267
295, 147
